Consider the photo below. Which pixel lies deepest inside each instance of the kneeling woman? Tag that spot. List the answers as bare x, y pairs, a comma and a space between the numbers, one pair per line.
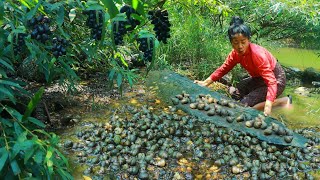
267, 79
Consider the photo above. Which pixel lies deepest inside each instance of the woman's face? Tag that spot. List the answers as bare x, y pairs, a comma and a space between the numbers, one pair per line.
240, 43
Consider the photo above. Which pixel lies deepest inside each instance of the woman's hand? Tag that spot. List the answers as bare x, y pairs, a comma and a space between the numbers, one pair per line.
206, 82
267, 108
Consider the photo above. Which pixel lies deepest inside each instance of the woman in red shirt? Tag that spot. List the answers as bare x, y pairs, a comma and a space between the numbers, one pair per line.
267, 79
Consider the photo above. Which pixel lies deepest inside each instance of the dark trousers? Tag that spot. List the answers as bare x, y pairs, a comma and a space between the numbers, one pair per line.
253, 90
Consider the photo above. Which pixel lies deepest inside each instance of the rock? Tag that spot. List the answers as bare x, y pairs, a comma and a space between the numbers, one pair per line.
316, 84
294, 69
309, 75
302, 91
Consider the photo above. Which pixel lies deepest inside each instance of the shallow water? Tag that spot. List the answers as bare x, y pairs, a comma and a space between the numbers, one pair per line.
295, 57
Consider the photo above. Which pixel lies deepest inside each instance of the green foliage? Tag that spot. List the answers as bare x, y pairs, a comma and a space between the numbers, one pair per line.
281, 20
26, 150
196, 44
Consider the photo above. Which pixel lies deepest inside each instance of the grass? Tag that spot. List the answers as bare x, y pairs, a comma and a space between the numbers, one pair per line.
304, 113
300, 58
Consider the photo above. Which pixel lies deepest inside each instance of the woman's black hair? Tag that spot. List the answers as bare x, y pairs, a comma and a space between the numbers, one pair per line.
237, 26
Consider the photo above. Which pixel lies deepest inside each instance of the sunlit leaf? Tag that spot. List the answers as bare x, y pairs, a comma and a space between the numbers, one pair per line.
49, 154
135, 4
86, 177
72, 14
33, 103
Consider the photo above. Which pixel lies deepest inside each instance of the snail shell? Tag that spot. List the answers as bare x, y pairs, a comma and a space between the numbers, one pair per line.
249, 124
288, 139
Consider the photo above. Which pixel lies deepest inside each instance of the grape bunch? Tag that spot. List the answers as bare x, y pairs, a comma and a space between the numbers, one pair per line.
41, 30
95, 22
160, 20
18, 42
59, 47
119, 30
146, 46
131, 21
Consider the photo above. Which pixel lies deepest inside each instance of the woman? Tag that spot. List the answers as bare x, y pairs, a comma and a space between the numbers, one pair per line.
267, 79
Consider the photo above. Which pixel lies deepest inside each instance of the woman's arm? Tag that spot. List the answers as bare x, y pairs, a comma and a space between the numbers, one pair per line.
229, 63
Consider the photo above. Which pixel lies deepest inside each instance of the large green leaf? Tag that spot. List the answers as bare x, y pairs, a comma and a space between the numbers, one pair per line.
33, 103
4, 156
112, 9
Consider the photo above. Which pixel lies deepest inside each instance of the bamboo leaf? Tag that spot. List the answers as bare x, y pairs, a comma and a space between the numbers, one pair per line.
130, 80
33, 103
15, 167
4, 156
111, 74
28, 155
65, 160
1, 16
50, 166
112, 9
60, 17
69, 70
6, 92
33, 11
6, 122
14, 113
10, 83
38, 158
49, 154
6, 64
119, 79
135, 4
36, 122
17, 128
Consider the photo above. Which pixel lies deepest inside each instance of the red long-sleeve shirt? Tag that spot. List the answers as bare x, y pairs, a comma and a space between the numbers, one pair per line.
257, 61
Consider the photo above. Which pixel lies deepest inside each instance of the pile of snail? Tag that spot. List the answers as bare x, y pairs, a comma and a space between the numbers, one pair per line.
150, 143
